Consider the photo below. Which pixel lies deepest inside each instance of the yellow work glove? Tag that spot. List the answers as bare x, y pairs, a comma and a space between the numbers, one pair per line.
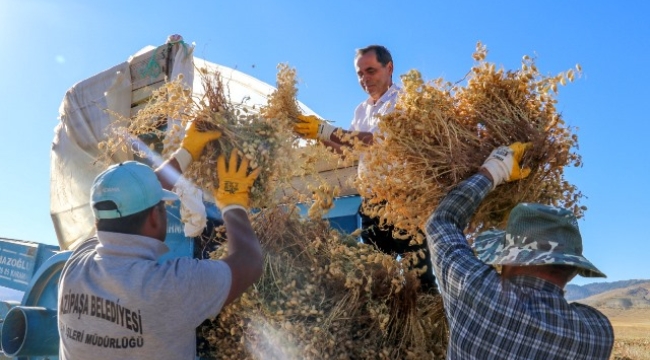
503, 163
195, 139
193, 144
234, 185
311, 127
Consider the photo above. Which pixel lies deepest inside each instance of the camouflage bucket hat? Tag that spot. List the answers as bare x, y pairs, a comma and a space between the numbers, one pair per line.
536, 235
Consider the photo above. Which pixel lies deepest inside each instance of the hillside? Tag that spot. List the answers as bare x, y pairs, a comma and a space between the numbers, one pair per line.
579, 292
635, 296
628, 310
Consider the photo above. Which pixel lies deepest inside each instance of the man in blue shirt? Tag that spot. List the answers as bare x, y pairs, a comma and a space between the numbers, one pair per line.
520, 313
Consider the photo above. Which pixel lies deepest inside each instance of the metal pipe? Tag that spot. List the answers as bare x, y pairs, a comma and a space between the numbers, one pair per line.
5, 306
30, 331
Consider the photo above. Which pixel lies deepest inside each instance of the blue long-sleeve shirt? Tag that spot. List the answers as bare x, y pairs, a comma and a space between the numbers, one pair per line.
494, 318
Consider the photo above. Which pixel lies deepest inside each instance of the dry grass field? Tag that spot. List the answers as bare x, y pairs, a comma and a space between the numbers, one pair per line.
632, 331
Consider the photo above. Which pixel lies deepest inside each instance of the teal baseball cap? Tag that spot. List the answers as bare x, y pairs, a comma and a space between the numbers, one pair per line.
536, 234
131, 186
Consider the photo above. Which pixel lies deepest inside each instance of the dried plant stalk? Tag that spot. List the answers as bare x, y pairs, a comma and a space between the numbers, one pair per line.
323, 295
263, 134
440, 133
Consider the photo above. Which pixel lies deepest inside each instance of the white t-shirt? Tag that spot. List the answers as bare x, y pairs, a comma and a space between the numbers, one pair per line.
366, 116
117, 302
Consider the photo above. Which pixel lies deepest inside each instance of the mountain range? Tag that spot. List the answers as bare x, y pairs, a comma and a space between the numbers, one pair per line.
625, 294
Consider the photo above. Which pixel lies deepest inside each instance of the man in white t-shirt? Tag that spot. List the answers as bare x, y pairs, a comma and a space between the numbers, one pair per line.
374, 67
116, 300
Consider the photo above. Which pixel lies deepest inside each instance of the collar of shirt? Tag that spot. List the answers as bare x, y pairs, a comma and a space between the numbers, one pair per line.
537, 284
127, 245
389, 95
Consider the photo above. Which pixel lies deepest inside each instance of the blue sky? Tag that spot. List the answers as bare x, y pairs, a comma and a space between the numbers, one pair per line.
48, 46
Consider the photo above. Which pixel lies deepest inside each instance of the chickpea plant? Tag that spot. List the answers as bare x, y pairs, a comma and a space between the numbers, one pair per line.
440, 133
263, 134
323, 295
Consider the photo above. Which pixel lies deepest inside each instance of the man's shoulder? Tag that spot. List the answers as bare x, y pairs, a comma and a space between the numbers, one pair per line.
587, 309
362, 105
86, 247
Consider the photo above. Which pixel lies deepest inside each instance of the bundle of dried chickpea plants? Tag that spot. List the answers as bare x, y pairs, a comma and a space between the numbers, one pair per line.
440, 133
322, 294
261, 134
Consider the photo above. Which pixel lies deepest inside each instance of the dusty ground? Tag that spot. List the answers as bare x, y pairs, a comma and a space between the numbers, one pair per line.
632, 331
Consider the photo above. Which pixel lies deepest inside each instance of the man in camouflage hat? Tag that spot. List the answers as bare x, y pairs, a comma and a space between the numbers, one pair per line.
536, 234
520, 313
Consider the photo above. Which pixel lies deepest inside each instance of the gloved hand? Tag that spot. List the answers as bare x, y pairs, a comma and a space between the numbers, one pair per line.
234, 184
193, 144
503, 163
195, 139
311, 127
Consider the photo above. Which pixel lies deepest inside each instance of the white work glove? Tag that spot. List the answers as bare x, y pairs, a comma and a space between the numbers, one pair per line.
192, 211
503, 163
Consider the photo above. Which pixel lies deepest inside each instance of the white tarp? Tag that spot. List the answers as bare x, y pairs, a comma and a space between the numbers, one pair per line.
73, 159
82, 125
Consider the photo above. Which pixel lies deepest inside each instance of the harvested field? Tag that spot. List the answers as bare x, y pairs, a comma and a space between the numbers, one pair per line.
632, 332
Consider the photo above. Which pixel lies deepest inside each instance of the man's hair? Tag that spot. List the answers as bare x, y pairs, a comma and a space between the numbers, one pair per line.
131, 224
383, 55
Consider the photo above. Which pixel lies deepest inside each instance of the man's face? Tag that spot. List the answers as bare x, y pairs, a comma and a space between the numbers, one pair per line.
374, 78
